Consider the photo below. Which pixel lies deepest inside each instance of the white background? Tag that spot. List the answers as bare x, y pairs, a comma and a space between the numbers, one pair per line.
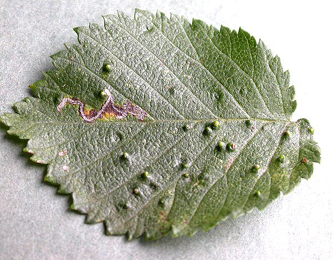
35, 223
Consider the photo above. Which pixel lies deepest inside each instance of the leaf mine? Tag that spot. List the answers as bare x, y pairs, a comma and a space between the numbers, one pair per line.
108, 108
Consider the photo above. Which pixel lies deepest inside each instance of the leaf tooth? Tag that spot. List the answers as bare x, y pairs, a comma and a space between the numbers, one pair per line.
59, 54
50, 179
10, 119
37, 159
94, 26
65, 189
91, 219
293, 105
79, 29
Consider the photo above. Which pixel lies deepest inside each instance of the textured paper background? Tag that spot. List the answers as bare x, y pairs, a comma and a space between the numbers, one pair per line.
36, 223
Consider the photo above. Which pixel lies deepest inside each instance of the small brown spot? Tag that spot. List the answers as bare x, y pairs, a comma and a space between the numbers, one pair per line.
305, 160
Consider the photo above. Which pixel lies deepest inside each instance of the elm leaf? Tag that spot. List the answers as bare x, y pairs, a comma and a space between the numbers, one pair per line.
155, 124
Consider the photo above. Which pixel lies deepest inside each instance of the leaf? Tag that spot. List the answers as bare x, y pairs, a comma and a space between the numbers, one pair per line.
154, 124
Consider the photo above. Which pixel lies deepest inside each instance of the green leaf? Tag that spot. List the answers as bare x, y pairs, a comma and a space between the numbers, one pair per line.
155, 124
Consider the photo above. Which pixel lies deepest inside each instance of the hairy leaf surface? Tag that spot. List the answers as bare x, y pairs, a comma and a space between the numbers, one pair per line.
155, 124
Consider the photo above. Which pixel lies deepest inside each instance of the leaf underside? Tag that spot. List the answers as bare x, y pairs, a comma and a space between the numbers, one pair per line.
216, 141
